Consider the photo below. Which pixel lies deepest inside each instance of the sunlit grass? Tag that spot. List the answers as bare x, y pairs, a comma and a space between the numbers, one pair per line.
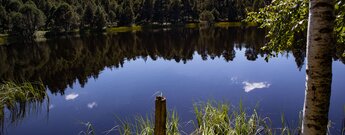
125, 29
11, 93
216, 118
228, 24
2, 40
191, 25
213, 118
145, 125
233, 24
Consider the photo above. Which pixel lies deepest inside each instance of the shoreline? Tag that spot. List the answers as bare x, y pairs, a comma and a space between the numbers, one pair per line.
43, 35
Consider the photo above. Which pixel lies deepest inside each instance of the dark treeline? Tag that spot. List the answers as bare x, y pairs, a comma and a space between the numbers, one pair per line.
24, 17
60, 63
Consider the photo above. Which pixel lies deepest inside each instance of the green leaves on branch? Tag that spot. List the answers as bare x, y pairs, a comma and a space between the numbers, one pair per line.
287, 20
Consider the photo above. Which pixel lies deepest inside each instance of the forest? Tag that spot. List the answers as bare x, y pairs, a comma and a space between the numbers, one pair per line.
24, 17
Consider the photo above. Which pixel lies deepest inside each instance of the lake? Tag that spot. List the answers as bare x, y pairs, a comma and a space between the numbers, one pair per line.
101, 78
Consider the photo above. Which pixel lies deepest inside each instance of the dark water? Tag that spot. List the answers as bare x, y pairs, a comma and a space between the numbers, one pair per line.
99, 78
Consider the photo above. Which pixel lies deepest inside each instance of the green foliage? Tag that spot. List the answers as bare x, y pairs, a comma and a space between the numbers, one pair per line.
146, 12
213, 118
175, 10
27, 20
126, 13
3, 18
287, 22
14, 5
100, 19
64, 18
160, 11
87, 20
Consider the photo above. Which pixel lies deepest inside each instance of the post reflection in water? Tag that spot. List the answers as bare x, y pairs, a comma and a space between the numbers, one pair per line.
60, 63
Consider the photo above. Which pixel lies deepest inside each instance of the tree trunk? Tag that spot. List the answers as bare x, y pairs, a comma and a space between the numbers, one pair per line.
320, 44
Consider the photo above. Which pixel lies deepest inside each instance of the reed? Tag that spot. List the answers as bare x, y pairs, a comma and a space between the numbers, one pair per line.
89, 129
20, 99
213, 118
145, 125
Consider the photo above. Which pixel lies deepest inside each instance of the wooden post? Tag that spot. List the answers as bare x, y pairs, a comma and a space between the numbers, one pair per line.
160, 116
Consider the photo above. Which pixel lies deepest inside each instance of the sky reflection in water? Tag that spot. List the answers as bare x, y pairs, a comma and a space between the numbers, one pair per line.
125, 92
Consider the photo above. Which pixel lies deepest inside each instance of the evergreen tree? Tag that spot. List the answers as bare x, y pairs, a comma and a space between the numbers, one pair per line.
160, 11
65, 18
14, 6
28, 20
186, 11
207, 16
126, 15
88, 16
175, 10
3, 19
146, 11
100, 19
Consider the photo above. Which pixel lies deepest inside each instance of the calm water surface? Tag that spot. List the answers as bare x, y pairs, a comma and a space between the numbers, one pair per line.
99, 78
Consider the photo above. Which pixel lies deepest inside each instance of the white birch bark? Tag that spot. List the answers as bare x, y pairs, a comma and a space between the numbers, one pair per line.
320, 44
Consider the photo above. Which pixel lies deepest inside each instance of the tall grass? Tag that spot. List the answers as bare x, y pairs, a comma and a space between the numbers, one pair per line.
89, 129
214, 118
145, 125
20, 99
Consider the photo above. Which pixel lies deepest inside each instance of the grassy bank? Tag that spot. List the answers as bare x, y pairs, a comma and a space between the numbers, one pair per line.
233, 24
3, 39
212, 118
42, 35
124, 29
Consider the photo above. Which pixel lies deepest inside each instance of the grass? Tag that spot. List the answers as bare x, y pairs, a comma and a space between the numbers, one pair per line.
192, 25
228, 24
125, 29
3, 39
213, 118
89, 129
145, 125
216, 118
20, 99
233, 24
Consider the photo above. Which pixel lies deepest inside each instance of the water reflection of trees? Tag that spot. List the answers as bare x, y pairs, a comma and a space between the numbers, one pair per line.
61, 62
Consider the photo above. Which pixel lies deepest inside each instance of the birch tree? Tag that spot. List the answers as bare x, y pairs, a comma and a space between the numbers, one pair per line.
320, 45
312, 23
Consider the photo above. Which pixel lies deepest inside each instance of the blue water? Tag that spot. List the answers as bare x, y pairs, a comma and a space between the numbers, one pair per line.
276, 86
